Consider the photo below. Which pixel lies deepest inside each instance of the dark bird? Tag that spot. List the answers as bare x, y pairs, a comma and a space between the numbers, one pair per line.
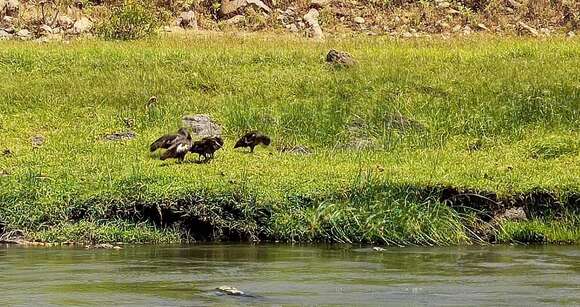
178, 150
252, 139
177, 145
168, 140
207, 146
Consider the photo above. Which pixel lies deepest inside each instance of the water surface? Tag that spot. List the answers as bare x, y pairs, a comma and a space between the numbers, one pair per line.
282, 274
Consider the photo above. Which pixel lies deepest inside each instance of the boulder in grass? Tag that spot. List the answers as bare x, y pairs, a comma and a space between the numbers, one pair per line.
202, 125
339, 58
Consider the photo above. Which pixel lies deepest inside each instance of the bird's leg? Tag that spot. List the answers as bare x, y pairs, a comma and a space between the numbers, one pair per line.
251, 148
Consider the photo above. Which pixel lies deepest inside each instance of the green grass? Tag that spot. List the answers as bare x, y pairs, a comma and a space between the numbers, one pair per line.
495, 115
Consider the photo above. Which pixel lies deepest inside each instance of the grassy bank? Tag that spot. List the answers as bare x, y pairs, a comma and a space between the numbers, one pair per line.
498, 118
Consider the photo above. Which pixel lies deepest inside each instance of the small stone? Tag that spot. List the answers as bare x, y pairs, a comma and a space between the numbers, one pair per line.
571, 34
545, 31
37, 140
456, 29
65, 22
292, 28
46, 29
120, 136
229, 7
230, 291
188, 20
24, 34
407, 34
236, 19
529, 29
444, 4
82, 25
482, 27
5, 35
359, 20
7, 19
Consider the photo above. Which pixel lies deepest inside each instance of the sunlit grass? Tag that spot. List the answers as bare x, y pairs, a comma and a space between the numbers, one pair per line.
501, 116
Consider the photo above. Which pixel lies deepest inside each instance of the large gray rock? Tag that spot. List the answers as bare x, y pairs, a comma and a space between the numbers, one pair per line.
229, 7
202, 125
312, 19
82, 25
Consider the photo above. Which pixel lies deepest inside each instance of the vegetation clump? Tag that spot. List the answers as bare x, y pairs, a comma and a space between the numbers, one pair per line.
133, 19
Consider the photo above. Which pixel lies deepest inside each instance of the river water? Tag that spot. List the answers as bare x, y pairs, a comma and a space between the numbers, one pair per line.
283, 274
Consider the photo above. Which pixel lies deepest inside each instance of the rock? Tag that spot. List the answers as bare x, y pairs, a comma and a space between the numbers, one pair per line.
23, 34
65, 22
5, 35
545, 31
407, 34
188, 20
444, 4
37, 140
339, 58
120, 136
202, 125
236, 19
456, 29
230, 291
45, 29
312, 19
571, 34
292, 28
104, 246
513, 214
529, 29
232, 6
82, 25
482, 27
359, 20
318, 4
8, 19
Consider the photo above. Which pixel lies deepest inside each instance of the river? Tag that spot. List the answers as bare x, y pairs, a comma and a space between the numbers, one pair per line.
284, 274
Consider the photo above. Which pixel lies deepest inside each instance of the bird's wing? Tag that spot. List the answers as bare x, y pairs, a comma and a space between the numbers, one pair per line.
163, 142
